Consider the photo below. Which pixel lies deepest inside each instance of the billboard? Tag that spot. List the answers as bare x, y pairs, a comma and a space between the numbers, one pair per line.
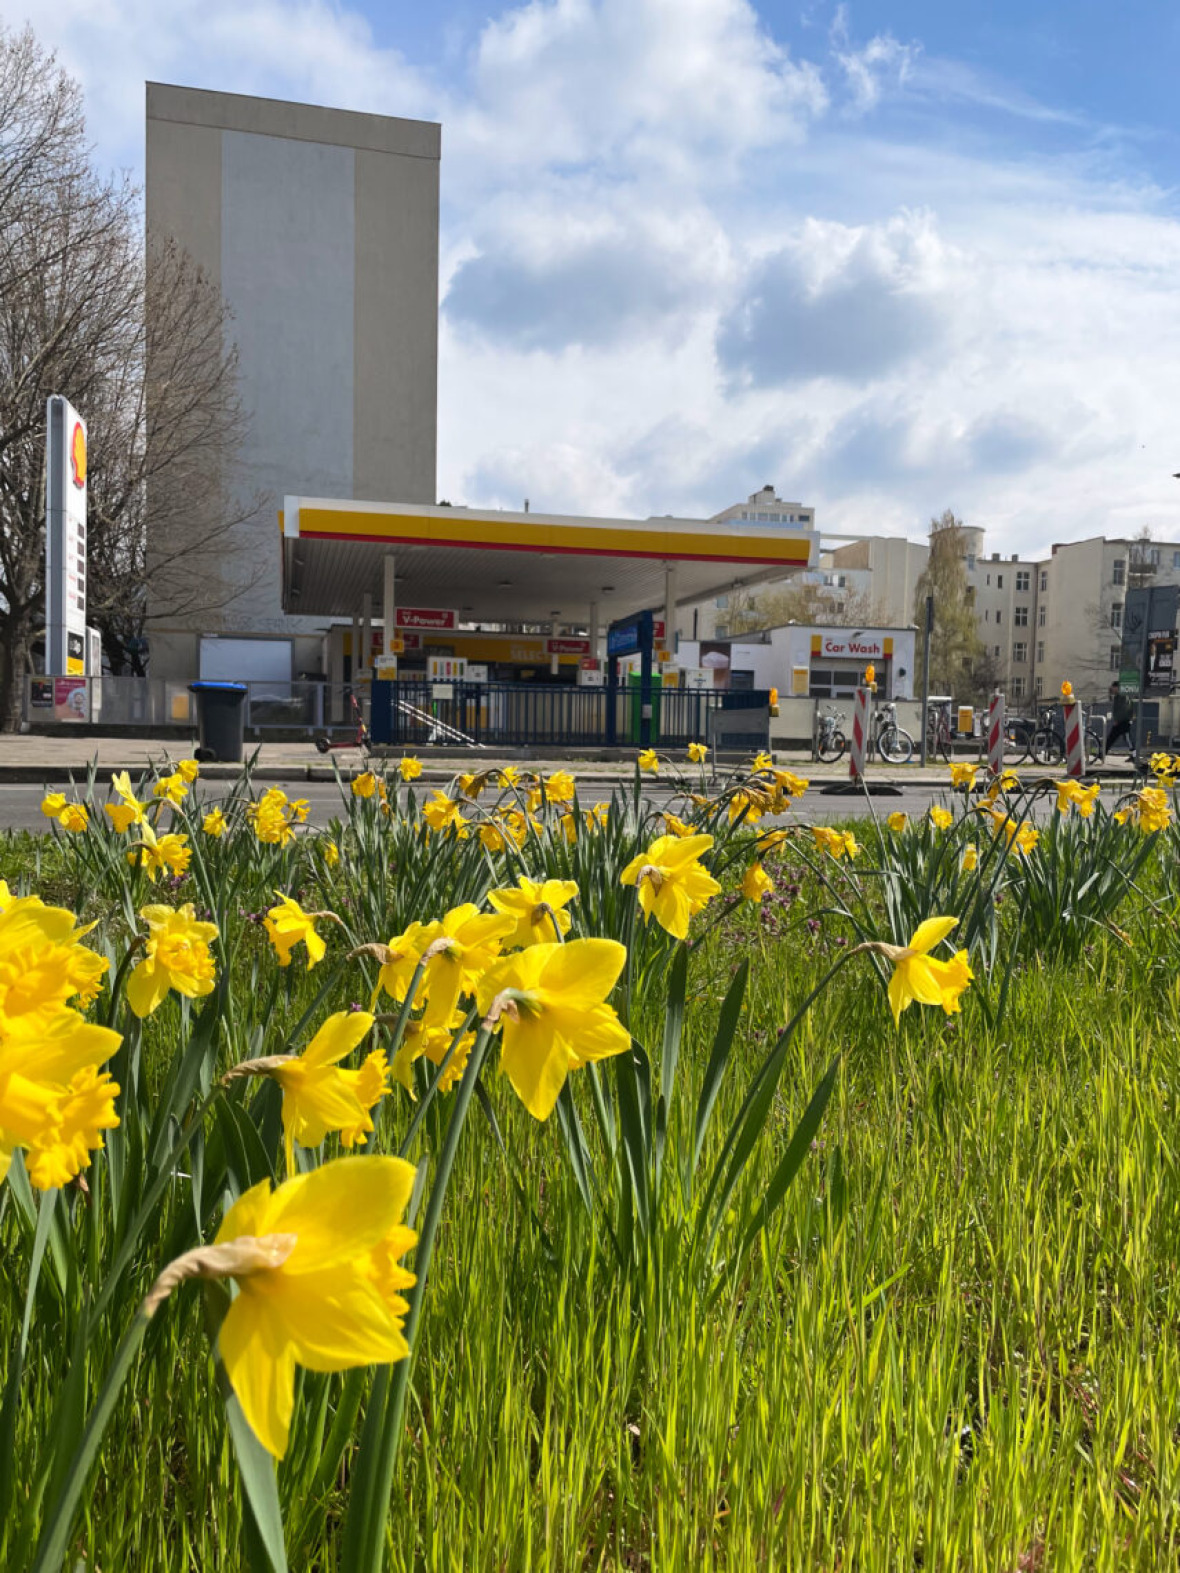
65, 539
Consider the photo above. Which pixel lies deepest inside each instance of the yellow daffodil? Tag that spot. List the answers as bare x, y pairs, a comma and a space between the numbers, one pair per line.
596, 816
492, 837
188, 770
698, 753
771, 840
319, 1097
518, 825
364, 785
52, 804
941, 818
789, 784
970, 859
649, 760
176, 957
173, 787
675, 826
509, 775
445, 813
409, 768
161, 854
1024, 834
272, 818
1148, 809
550, 1002
672, 883
537, 907
756, 883
331, 853
750, 802
319, 1285
287, 925
129, 810
1009, 781
54, 1101
762, 761
919, 976
74, 818
569, 827
839, 843
462, 945
898, 822
560, 787
963, 775
213, 824
420, 1039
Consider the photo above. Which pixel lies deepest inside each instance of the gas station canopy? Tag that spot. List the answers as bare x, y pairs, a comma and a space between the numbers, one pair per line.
498, 567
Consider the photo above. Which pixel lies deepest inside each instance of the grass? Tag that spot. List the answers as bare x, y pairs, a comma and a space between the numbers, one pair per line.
957, 1345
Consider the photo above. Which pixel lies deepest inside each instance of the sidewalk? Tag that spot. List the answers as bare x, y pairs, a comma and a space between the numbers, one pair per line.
51, 760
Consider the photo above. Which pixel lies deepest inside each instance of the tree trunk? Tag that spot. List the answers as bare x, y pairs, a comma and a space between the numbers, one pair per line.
14, 649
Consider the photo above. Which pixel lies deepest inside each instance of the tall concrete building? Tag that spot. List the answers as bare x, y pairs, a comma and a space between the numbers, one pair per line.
320, 227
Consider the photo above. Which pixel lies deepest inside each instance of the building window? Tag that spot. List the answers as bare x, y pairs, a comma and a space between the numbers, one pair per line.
1040, 686
1023, 579
1040, 651
1153, 556
999, 616
1116, 615
1042, 612
1044, 578
1175, 560
996, 652
1119, 575
999, 581
1020, 616
1020, 652
989, 579
1116, 657
1016, 688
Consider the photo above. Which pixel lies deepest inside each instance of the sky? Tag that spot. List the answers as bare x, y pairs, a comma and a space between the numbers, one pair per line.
890, 256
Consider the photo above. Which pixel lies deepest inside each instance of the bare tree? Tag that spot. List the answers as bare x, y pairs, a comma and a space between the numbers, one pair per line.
955, 645
813, 605
142, 353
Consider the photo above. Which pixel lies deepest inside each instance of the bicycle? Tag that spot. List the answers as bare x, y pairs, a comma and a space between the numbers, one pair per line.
892, 742
938, 734
830, 741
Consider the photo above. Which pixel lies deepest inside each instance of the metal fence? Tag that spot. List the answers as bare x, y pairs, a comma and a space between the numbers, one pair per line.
415, 713
410, 714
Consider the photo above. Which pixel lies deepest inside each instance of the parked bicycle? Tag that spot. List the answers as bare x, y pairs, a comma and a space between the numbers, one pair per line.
830, 741
892, 742
938, 731
1044, 742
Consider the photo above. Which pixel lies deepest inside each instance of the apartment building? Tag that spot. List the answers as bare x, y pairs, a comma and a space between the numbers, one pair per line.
1041, 619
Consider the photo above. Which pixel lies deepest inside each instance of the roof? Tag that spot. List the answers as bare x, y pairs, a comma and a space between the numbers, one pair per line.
496, 566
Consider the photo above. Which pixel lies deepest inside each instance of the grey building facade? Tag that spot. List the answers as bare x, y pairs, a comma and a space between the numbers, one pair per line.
320, 226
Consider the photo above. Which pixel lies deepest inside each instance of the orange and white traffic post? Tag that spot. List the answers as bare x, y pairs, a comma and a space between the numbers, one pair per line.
861, 706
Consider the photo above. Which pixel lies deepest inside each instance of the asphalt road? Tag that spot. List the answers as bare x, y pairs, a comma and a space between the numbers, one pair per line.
20, 803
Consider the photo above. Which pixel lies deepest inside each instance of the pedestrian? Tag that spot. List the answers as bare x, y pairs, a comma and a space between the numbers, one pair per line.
1122, 714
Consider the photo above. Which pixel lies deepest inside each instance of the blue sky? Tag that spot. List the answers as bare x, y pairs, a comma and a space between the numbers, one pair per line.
888, 255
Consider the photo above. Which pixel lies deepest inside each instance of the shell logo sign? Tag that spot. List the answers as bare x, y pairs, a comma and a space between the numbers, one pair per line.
78, 456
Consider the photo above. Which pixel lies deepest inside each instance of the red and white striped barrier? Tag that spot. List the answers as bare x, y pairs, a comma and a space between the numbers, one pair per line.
995, 735
1075, 738
860, 732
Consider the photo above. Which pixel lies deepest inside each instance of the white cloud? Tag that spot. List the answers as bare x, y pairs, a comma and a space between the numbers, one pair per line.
648, 204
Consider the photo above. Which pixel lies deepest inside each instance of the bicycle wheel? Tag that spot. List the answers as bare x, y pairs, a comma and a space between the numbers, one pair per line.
938, 742
895, 745
1016, 741
830, 747
1048, 746
1095, 747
